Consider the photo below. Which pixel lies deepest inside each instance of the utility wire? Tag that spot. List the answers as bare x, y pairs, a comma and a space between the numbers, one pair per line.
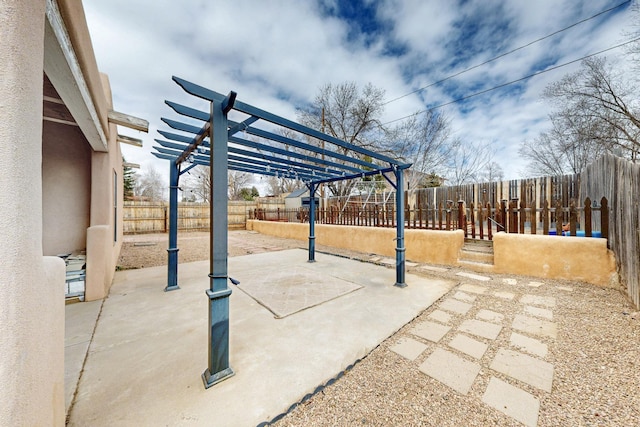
555, 67
508, 53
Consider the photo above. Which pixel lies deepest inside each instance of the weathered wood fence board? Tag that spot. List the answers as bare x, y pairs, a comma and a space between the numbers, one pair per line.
148, 217
619, 181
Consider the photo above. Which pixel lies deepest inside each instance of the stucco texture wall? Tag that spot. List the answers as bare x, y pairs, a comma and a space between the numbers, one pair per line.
32, 286
66, 181
429, 246
572, 258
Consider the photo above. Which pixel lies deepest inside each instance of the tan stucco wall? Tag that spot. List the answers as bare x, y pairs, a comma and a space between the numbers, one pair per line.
32, 286
429, 246
103, 246
553, 257
66, 198
572, 258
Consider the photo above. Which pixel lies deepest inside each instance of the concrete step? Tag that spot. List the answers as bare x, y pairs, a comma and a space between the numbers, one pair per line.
467, 254
478, 267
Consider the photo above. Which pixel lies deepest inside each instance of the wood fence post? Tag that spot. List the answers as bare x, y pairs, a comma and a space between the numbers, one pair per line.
604, 218
587, 217
523, 216
489, 225
473, 221
545, 217
440, 216
558, 217
573, 217
503, 216
461, 222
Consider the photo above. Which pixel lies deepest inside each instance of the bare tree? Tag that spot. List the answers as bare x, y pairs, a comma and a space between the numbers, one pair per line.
424, 141
197, 183
278, 186
350, 114
238, 181
150, 185
492, 172
467, 162
598, 105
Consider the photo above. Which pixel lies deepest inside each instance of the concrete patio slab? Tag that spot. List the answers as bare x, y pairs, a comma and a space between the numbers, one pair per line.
451, 370
538, 300
530, 345
151, 346
468, 346
455, 306
430, 331
522, 367
474, 289
464, 297
512, 401
77, 337
538, 312
408, 348
490, 316
480, 328
504, 295
534, 326
440, 316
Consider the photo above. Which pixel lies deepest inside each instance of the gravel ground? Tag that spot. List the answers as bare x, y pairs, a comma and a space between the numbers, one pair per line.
596, 355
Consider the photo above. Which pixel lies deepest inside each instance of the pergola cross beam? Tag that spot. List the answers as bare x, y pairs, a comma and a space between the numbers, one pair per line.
215, 143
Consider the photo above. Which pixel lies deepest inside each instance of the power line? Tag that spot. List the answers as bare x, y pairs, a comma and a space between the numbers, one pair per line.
555, 67
508, 53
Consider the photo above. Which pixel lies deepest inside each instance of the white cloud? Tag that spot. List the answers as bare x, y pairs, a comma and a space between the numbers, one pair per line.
277, 54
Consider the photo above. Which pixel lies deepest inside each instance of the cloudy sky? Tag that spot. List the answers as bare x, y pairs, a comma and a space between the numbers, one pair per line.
276, 54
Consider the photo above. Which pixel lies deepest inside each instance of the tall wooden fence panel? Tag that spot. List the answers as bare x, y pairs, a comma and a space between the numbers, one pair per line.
619, 181
153, 217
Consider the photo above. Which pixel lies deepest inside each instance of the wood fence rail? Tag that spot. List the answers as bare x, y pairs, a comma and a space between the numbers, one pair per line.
480, 222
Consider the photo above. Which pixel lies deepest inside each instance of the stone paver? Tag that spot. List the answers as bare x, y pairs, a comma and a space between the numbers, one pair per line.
566, 288
512, 401
510, 281
474, 289
504, 295
473, 276
480, 328
432, 268
464, 297
451, 370
538, 312
534, 326
455, 306
430, 331
468, 346
538, 300
490, 316
409, 348
530, 345
440, 316
535, 284
522, 367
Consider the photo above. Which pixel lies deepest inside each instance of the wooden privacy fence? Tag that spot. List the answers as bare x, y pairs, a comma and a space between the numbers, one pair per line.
148, 217
589, 220
619, 180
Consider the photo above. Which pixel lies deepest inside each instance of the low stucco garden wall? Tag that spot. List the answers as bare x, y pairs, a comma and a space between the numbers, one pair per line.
573, 258
553, 257
428, 246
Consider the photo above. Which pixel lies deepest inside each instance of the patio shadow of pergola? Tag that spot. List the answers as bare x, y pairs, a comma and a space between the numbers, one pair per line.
147, 350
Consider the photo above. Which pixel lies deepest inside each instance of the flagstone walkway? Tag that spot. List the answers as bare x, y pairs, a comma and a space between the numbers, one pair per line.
460, 339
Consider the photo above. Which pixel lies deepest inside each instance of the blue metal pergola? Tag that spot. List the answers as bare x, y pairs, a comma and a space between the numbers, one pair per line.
213, 141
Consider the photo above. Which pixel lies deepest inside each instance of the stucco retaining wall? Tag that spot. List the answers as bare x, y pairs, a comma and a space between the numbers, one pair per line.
553, 257
429, 246
572, 258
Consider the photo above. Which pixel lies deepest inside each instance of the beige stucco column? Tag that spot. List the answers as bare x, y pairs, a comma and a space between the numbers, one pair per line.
31, 286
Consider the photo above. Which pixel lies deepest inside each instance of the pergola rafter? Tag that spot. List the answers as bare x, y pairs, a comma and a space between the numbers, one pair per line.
215, 141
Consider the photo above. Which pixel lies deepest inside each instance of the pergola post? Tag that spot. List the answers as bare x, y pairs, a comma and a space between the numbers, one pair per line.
312, 220
400, 249
172, 275
218, 293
